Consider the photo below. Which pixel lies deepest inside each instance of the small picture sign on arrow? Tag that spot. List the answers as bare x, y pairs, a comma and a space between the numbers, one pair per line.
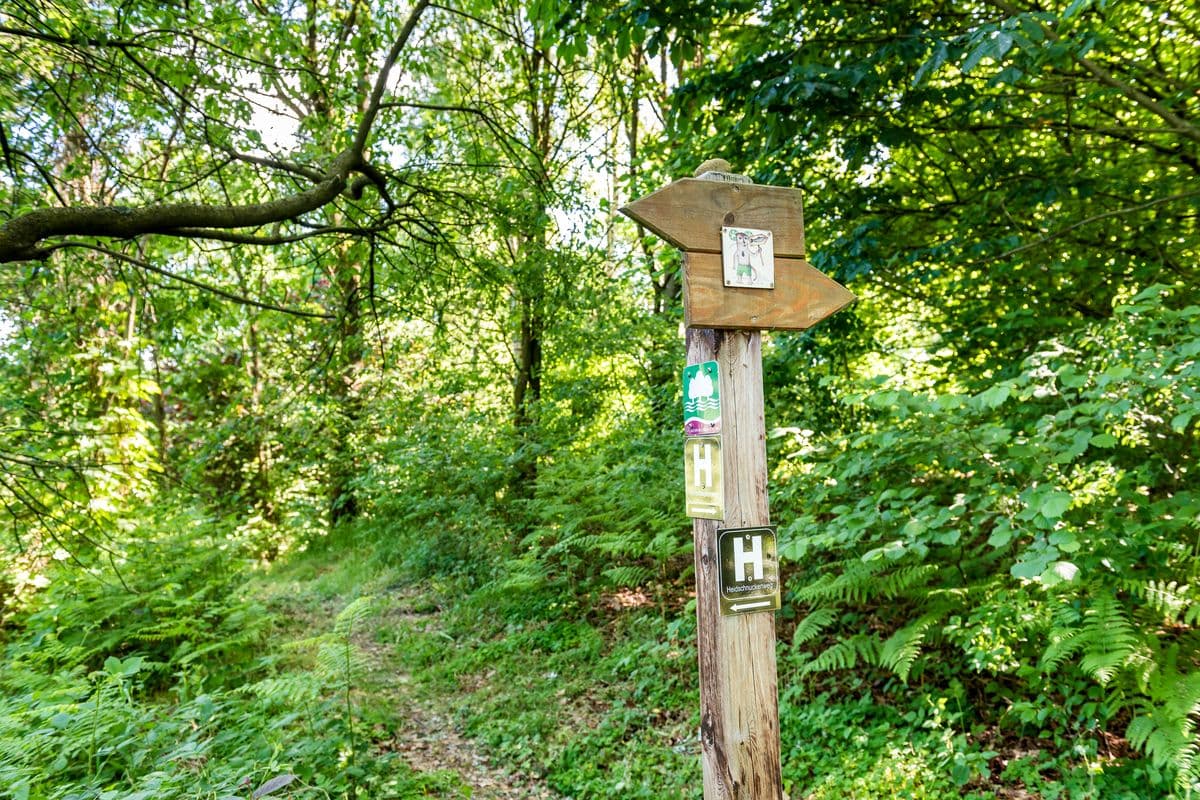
748, 255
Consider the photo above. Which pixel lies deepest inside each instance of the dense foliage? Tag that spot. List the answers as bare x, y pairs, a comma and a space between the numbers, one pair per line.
324, 352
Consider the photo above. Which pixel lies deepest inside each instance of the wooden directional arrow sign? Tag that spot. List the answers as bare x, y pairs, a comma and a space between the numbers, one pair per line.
702, 217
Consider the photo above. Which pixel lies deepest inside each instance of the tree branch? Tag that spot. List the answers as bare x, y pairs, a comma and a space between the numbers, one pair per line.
24, 238
1178, 124
236, 298
372, 109
1087, 221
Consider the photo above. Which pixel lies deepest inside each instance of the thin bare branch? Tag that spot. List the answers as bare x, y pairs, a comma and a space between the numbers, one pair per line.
236, 298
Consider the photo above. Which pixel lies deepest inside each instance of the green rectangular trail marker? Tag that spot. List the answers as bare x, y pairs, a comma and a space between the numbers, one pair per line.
701, 399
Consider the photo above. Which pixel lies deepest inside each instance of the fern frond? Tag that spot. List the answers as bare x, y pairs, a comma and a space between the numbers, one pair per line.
358, 611
845, 654
811, 626
628, 575
1103, 664
1139, 731
896, 584
1169, 598
306, 644
1066, 615
1064, 643
1166, 726
287, 691
900, 651
1108, 638
850, 583
175, 629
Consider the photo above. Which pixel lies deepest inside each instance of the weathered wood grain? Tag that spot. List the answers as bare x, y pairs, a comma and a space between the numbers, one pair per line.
802, 297
689, 214
739, 707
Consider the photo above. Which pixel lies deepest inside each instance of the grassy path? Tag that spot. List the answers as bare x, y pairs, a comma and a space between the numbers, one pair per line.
396, 712
428, 736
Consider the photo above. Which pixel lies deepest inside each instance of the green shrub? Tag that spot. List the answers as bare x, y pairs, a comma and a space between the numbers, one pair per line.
1036, 539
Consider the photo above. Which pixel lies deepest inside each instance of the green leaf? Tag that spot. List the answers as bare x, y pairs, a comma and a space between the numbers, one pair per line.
1053, 504
1027, 570
984, 48
1076, 8
931, 64
950, 536
995, 396
1031, 27
1004, 43
274, 784
1065, 541
1002, 534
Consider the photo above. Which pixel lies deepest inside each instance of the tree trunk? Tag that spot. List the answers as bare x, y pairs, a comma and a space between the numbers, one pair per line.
345, 389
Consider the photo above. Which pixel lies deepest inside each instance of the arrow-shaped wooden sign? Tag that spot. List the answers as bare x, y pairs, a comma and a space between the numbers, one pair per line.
690, 213
702, 218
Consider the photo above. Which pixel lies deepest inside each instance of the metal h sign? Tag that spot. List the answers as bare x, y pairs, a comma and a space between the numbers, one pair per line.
749, 576
704, 489
732, 280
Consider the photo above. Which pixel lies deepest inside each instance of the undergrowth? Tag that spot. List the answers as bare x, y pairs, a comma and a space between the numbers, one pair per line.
158, 675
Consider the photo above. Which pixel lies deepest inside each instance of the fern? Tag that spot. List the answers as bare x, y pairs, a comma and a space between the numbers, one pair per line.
811, 626
285, 691
1101, 636
339, 664
900, 651
859, 582
845, 654
1064, 643
628, 575
850, 584
1165, 727
1108, 640
1168, 598
898, 583
359, 610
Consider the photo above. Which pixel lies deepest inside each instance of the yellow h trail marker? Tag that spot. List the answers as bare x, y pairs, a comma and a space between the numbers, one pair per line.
744, 272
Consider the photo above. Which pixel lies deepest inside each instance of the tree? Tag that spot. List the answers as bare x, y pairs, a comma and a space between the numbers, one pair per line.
519, 139
1009, 170
164, 141
179, 153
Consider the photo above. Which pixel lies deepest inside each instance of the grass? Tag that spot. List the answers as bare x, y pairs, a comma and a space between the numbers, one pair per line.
595, 700
351, 662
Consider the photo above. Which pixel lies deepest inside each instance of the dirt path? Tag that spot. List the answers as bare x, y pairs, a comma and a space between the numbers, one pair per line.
428, 738
433, 744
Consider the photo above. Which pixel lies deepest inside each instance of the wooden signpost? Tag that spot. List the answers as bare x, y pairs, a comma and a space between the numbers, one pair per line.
744, 272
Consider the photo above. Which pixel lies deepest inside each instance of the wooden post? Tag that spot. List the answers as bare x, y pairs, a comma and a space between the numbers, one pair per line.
739, 707
730, 295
